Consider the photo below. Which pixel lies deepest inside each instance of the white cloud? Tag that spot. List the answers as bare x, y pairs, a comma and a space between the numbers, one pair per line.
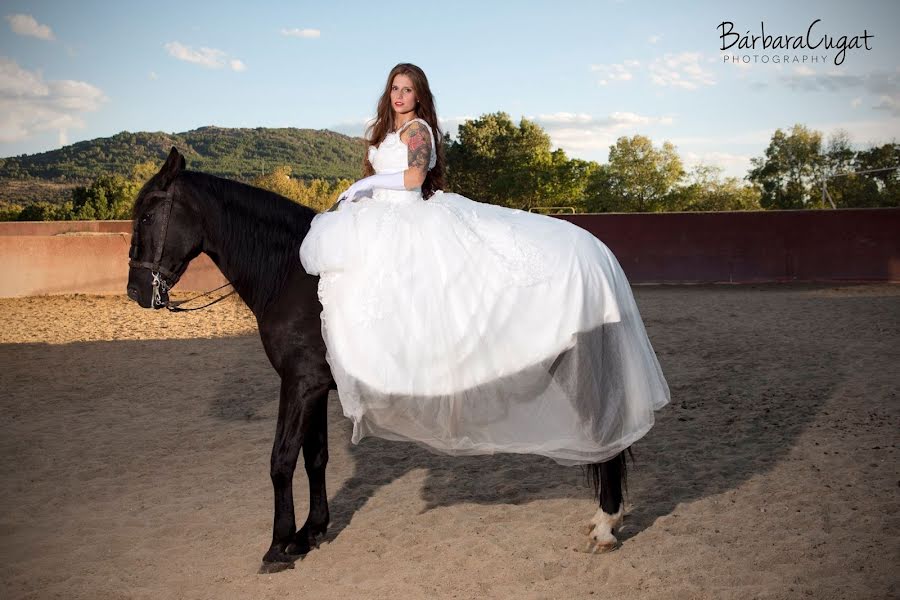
680, 70
29, 105
630, 118
863, 133
884, 85
76, 95
581, 133
616, 71
303, 33
758, 137
27, 25
564, 118
889, 103
207, 57
856, 102
615, 119
451, 124
17, 82
211, 58
733, 165
876, 82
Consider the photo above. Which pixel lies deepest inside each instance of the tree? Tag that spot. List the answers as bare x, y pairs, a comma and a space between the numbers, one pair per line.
45, 211
143, 171
844, 189
9, 211
278, 180
475, 157
790, 168
495, 161
317, 194
637, 178
565, 181
108, 197
887, 181
839, 154
706, 190
320, 194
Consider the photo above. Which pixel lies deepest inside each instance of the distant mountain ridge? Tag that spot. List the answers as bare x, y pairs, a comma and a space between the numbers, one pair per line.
235, 153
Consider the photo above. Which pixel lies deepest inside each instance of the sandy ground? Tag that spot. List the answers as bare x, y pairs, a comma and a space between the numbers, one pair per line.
135, 449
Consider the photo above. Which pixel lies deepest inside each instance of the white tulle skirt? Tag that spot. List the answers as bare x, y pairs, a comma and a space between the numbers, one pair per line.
470, 328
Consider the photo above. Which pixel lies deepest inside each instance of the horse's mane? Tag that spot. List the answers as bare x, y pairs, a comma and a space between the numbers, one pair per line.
260, 232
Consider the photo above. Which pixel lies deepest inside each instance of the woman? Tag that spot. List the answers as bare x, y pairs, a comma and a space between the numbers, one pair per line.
471, 328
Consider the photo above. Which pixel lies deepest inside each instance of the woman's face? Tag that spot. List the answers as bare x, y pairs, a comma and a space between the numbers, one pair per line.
403, 95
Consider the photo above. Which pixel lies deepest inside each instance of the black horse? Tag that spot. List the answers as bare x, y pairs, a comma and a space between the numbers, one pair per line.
254, 237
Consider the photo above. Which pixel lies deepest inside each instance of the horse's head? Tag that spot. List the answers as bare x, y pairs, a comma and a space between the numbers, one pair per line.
166, 235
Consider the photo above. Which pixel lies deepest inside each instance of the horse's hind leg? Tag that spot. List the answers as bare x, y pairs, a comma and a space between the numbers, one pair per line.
315, 458
610, 477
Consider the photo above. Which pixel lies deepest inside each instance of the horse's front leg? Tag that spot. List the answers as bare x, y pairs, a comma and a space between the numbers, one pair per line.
293, 422
315, 458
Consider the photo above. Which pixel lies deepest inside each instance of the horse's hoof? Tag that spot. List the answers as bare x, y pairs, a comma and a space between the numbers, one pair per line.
599, 545
602, 538
267, 568
304, 540
602, 547
275, 561
297, 548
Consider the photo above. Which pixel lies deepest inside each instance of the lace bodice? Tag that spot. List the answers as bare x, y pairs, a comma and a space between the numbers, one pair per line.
392, 155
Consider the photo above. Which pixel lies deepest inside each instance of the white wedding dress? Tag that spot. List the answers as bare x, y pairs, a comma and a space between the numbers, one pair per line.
471, 328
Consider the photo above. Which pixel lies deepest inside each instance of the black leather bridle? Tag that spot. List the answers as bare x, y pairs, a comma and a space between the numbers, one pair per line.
163, 279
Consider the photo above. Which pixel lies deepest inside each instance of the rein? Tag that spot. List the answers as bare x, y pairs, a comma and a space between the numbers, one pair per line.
164, 279
176, 307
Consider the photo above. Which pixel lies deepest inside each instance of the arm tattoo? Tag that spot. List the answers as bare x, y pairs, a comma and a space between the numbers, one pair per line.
419, 144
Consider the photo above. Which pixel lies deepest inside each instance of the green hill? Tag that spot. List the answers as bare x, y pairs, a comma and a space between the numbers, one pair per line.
235, 153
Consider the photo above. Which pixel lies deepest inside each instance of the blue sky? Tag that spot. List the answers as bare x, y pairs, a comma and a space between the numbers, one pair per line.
588, 72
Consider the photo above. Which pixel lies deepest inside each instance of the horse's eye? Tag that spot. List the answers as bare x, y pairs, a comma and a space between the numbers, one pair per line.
147, 218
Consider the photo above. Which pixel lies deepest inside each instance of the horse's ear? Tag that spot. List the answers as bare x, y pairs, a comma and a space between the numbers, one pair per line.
174, 163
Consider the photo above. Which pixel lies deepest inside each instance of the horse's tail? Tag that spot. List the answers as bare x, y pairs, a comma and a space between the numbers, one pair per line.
595, 475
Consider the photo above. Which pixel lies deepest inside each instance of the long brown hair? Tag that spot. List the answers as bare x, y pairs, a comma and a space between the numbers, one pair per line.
384, 122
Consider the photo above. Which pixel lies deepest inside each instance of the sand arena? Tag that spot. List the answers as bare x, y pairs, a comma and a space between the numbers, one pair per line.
135, 464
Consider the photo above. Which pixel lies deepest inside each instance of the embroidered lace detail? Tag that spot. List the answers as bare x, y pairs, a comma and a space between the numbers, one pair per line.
514, 249
383, 273
324, 289
392, 154
532, 267
369, 311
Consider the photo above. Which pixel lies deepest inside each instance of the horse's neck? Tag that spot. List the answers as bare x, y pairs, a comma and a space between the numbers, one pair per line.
250, 282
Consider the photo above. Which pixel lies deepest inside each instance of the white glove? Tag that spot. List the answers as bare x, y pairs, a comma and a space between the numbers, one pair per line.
390, 181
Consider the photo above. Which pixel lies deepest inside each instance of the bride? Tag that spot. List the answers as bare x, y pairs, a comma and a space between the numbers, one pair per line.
471, 328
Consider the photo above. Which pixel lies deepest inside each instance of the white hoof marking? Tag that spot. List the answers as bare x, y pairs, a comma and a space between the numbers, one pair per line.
603, 525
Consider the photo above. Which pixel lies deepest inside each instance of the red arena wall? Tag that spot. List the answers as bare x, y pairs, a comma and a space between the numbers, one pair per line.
86, 257
64, 257
752, 246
